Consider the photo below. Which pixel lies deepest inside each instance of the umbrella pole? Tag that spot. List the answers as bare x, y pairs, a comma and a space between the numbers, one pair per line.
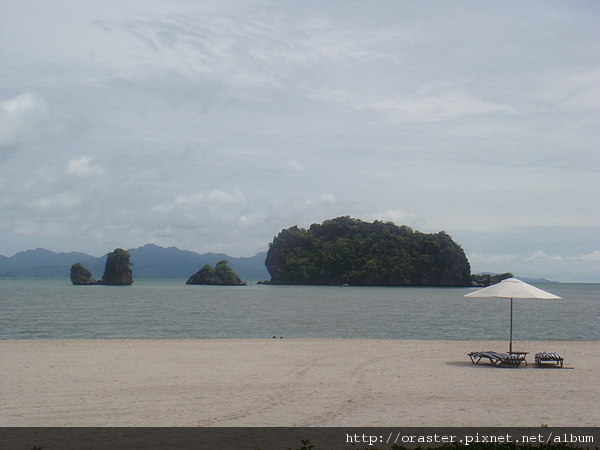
511, 321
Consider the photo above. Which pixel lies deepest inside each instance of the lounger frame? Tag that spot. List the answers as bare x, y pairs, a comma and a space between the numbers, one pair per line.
542, 357
498, 359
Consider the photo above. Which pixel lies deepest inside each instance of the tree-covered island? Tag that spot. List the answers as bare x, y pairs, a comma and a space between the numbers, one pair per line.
357, 253
220, 275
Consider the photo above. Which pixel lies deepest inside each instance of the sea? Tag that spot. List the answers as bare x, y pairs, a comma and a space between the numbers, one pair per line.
52, 308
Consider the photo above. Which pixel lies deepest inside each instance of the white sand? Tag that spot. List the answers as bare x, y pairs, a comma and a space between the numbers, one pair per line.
291, 382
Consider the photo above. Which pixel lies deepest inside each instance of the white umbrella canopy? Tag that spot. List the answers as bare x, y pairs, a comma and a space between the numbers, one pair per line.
512, 288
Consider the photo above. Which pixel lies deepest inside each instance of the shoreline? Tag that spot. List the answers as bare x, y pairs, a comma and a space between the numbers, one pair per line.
292, 383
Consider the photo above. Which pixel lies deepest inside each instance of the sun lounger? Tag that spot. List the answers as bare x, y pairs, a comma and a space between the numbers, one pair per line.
542, 357
498, 359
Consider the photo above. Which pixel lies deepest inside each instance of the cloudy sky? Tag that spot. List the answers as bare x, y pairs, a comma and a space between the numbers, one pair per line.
211, 125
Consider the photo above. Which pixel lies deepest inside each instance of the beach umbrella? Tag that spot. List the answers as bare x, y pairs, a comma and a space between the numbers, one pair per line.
512, 288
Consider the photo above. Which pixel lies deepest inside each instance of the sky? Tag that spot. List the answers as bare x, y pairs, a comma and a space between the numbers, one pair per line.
212, 125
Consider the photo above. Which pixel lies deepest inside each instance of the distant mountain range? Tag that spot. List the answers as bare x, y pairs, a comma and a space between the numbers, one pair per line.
149, 261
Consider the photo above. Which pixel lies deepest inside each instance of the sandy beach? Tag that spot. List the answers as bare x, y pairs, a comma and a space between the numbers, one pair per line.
291, 382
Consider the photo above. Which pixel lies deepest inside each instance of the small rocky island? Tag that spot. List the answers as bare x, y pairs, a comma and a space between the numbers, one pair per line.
220, 275
117, 271
81, 276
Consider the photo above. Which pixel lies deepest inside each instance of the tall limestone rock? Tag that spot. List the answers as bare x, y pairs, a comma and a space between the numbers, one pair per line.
117, 271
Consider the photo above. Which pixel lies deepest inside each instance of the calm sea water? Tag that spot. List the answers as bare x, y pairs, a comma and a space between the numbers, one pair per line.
54, 309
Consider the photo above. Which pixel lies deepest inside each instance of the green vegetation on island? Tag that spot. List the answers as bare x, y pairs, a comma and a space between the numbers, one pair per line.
117, 271
81, 276
220, 275
487, 279
353, 252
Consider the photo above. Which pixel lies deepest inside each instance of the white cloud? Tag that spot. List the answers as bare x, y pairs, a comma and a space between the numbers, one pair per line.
579, 268
327, 198
22, 119
576, 89
304, 212
398, 216
205, 211
25, 104
215, 220
29, 121
296, 165
210, 199
540, 256
428, 109
81, 167
64, 200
